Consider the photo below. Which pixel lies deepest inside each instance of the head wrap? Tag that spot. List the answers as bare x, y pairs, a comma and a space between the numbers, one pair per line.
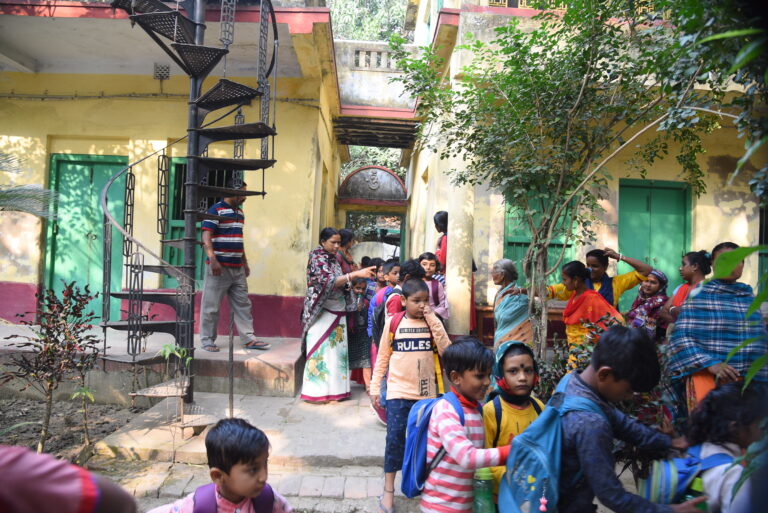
500, 385
663, 281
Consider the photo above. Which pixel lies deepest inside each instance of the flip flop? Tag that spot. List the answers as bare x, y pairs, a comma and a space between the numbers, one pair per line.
382, 509
257, 344
213, 348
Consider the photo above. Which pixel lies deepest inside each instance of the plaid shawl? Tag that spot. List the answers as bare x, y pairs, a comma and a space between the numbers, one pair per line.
711, 323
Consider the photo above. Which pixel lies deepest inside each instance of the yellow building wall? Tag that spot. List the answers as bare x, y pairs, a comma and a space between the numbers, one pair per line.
126, 115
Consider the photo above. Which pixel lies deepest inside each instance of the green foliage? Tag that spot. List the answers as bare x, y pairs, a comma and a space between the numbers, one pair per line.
721, 44
60, 346
371, 156
84, 393
367, 20
539, 113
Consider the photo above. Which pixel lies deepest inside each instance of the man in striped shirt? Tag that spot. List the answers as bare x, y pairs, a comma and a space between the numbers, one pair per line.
226, 271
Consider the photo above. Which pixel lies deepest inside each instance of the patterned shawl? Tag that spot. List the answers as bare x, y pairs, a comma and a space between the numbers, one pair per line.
646, 309
711, 323
509, 311
322, 271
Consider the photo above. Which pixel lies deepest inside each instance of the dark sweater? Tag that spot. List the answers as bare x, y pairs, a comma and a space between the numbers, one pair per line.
587, 448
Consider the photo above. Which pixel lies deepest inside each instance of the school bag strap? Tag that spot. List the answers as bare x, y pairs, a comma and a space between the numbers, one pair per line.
454, 400
433, 284
711, 461
394, 322
205, 499
497, 410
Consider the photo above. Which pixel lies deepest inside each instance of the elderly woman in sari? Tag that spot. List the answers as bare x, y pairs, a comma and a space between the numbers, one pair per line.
510, 308
323, 319
712, 323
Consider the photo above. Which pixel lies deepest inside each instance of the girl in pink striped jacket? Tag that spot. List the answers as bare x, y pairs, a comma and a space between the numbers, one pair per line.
448, 488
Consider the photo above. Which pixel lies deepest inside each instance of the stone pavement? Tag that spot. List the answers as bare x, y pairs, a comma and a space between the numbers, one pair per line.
324, 458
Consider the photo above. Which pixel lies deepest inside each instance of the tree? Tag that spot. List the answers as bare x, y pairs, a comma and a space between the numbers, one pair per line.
367, 20
32, 199
371, 156
539, 114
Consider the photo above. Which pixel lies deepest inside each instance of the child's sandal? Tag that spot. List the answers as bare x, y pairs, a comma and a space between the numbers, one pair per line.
382, 509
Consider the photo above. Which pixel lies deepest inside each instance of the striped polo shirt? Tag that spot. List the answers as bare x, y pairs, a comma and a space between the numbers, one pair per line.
227, 235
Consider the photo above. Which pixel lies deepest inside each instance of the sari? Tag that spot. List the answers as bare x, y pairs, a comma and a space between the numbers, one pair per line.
324, 334
712, 322
510, 315
590, 306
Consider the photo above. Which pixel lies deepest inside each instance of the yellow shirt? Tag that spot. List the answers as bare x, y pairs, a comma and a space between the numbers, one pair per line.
621, 284
513, 422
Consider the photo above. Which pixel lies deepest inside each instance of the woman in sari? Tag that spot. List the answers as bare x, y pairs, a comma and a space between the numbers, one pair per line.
510, 308
645, 313
324, 323
584, 305
712, 322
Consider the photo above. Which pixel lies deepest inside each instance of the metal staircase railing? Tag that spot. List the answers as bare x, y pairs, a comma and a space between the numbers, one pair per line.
162, 22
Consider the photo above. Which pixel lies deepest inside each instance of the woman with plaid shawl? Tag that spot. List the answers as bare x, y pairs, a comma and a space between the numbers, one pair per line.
711, 323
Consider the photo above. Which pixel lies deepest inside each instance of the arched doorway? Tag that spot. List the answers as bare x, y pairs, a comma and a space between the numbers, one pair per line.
374, 201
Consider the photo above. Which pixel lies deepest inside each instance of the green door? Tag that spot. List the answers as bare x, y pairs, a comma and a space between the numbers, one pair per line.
517, 238
176, 200
74, 245
655, 227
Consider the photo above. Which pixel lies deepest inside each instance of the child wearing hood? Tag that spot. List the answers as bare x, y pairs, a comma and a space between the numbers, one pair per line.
510, 407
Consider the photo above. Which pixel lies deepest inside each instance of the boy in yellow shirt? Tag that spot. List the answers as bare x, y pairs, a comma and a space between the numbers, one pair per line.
510, 407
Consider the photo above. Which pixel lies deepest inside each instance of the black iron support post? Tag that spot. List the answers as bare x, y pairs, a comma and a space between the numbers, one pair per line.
186, 319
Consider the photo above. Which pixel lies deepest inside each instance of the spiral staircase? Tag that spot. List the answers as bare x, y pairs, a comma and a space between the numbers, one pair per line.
180, 35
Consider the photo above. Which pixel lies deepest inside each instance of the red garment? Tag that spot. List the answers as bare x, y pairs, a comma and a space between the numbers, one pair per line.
589, 306
681, 295
442, 252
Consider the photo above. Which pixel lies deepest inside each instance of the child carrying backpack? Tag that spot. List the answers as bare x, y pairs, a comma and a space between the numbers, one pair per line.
407, 356
237, 458
723, 425
510, 407
565, 457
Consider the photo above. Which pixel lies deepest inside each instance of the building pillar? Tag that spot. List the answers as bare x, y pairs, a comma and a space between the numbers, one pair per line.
458, 275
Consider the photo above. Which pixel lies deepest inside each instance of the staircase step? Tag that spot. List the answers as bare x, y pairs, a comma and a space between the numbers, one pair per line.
226, 93
200, 60
197, 416
164, 298
149, 326
232, 132
139, 6
178, 243
205, 216
174, 388
213, 164
222, 192
169, 24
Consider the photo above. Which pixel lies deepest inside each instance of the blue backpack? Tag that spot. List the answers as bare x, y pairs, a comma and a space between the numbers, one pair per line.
533, 466
670, 479
415, 467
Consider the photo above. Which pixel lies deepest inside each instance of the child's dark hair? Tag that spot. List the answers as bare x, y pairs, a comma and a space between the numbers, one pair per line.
441, 221
327, 232
467, 353
724, 411
358, 281
723, 245
428, 255
600, 255
365, 261
631, 356
412, 269
375, 261
233, 441
346, 236
390, 264
576, 269
516, 350
414, 285
700, 259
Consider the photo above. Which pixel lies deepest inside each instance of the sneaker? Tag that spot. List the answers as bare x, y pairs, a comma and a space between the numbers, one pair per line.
381, 414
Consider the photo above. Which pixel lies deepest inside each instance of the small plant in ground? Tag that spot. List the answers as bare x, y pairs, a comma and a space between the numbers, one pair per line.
54, 351
168, 352
84, 361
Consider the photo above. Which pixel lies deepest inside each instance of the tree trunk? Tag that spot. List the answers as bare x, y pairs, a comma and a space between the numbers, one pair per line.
536, 263
86, 434
46, 419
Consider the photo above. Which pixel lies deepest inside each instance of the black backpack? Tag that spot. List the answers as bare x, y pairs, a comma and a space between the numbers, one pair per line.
380, 317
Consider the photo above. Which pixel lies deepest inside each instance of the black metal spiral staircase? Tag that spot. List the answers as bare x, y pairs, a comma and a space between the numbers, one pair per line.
181, 37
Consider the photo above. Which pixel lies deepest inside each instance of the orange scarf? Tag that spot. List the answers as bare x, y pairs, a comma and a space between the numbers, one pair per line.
589, 306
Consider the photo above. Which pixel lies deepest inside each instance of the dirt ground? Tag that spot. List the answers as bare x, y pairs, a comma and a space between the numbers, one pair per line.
65, 438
